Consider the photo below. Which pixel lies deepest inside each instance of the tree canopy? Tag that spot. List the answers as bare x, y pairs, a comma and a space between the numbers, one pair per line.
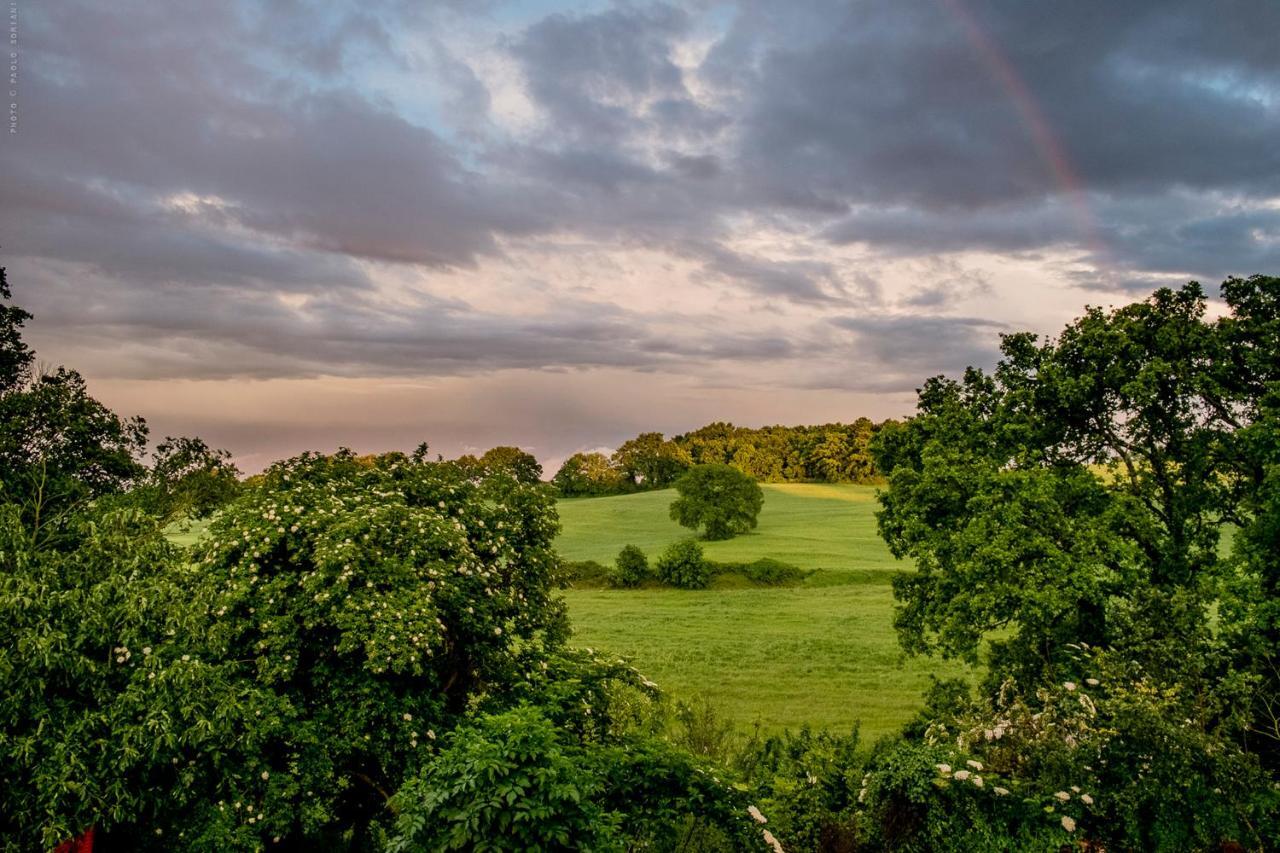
833, 453
588, 475
718, 499
1108, 487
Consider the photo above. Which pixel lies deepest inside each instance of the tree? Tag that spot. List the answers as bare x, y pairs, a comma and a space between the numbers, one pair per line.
107, 690
513, 461
587, 474
650, 461
188, 479
59, 447
719, 499
1078, 495
15, 356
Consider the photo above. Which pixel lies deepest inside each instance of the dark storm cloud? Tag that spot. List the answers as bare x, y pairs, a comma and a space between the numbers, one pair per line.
904, 103
593, 73
920, 128
896, 352
917, 231
180, 110
901, 113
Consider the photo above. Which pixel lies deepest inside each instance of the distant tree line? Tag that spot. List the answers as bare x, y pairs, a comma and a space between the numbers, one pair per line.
829, 453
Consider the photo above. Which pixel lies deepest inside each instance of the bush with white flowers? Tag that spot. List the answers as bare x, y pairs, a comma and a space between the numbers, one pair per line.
375, 600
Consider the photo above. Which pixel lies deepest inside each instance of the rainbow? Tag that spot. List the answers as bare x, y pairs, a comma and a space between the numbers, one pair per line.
1046, 142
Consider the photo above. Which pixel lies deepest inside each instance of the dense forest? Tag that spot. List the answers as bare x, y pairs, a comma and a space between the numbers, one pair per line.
830, 453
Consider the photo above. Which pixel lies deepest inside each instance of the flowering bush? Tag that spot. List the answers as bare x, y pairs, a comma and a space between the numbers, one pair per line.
373, 600
1112, 757
340, 616
805, 785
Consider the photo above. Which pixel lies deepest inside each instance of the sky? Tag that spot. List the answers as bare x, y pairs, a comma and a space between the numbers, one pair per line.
299, 225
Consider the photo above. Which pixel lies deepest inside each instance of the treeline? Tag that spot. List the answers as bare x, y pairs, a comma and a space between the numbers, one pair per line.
829, 453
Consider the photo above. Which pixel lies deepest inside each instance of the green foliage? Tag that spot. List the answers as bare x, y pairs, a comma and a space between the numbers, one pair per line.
588, 475
1113, 758
832, 453
806, 784
650, 461
1078, 493
1077, 499
507, 782
583, 572
60, 448
631, 568
188, 480
516, 781
704, 731
15, 356
765, 571
340, 615
373, 600
108, 697
513, 462
719, 499
682, 565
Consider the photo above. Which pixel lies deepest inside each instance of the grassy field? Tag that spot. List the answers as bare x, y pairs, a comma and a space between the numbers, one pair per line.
823, 653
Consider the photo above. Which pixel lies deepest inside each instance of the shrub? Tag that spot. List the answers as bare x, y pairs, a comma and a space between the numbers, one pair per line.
373, 600
767, 571
631, 568
720, 499
583, 573
1111, 759
517, 781
507, 782
106, 693
682, 565
807, 784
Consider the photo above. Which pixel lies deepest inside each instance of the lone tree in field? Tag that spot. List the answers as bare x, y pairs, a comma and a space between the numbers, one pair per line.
720, 499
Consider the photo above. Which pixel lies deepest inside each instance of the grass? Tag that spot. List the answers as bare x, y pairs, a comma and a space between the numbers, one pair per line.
813, 526
822, 654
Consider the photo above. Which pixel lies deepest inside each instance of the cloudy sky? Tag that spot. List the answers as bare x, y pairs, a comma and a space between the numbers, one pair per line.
293, 225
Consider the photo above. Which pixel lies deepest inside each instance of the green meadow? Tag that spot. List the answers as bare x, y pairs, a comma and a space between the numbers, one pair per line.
822, 653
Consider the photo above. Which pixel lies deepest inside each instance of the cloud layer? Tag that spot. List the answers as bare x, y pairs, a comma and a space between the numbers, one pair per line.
842, 197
